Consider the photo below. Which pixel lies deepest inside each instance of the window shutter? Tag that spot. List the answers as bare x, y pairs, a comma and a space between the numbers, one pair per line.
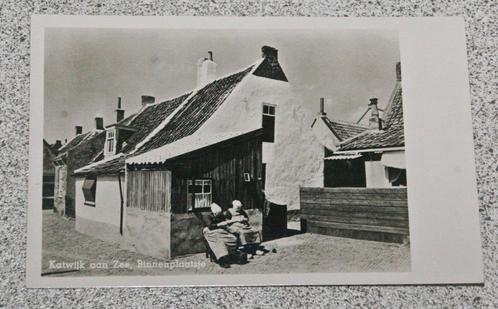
268, 128
89, 189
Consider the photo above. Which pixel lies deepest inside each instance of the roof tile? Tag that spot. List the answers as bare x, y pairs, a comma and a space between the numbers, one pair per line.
344, 130
184, 122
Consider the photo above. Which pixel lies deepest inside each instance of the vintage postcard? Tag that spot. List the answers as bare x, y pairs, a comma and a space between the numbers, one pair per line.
250, 151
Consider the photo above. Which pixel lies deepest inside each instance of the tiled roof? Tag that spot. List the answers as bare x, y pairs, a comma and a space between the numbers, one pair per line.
393, 134
199, 108
110, 167
126, 121
188, 113
149, 119
343, 130
73, 142
77, 140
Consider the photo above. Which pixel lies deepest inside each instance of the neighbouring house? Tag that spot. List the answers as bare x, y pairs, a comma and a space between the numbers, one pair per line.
79, 151
241, 136
364, 192
371, 156
49, 154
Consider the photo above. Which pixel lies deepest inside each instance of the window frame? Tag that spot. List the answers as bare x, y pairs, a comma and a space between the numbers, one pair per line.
268, 117
110, 142
271, 111
400, 181
191, 196
94, 191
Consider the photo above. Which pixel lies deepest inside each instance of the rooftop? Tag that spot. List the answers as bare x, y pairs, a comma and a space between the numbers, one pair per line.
391, 136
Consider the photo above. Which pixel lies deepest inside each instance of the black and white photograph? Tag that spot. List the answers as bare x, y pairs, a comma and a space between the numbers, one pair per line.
224, 151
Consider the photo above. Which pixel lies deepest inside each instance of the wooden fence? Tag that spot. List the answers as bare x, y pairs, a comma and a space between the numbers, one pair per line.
363, 213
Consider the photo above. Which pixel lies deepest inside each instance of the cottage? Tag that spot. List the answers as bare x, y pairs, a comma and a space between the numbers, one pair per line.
49, 154
233, 137
369, 156
364, 192
79, 151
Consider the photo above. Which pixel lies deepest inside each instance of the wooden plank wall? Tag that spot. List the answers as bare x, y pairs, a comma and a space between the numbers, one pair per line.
365, 213
149, 190
225, 166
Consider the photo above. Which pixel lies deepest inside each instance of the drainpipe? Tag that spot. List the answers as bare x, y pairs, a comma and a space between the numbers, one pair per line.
122, 204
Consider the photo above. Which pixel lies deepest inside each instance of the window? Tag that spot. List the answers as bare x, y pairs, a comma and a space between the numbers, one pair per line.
397, 177
268, 109
89, 190
110, 141
199, 194
268, 122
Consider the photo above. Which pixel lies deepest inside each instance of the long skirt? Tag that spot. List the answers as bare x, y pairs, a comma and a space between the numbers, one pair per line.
220, 241
248, 235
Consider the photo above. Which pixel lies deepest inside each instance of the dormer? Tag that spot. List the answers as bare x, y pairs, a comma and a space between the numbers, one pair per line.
117, 133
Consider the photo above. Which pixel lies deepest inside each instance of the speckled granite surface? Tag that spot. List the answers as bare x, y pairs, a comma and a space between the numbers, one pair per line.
482, 43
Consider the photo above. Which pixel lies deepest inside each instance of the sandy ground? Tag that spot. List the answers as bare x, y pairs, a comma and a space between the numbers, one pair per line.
298, 253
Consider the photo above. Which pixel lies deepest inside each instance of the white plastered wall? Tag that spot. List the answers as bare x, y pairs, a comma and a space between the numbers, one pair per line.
376, 175
296, 157
103, 220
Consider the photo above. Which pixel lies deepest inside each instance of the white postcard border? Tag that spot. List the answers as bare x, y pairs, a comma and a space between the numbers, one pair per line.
443, 206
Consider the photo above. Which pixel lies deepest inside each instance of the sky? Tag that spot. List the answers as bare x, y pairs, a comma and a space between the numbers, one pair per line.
86, 70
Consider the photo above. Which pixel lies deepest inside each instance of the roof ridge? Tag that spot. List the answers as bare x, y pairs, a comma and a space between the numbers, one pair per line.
185, 102
388, 108
163, 123
85, 136
252, 66
348, 122
169, 99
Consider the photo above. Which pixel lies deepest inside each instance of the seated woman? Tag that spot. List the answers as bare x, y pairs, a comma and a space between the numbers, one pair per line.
238, 224
221, 242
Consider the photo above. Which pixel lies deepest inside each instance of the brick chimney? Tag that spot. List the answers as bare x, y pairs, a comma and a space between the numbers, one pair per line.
147, 99
79, 130
374, 121
99, 123
398, 71
322, 107
57, 144
269, 53
206, 70
119, 112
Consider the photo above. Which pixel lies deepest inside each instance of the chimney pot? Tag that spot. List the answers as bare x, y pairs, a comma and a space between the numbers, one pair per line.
322, 107
398, 71
210, 55
99, 123
147, 99
57, 144
119, 112
79, 130
373, 101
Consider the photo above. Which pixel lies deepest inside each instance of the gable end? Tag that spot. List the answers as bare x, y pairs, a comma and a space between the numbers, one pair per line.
270, 68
